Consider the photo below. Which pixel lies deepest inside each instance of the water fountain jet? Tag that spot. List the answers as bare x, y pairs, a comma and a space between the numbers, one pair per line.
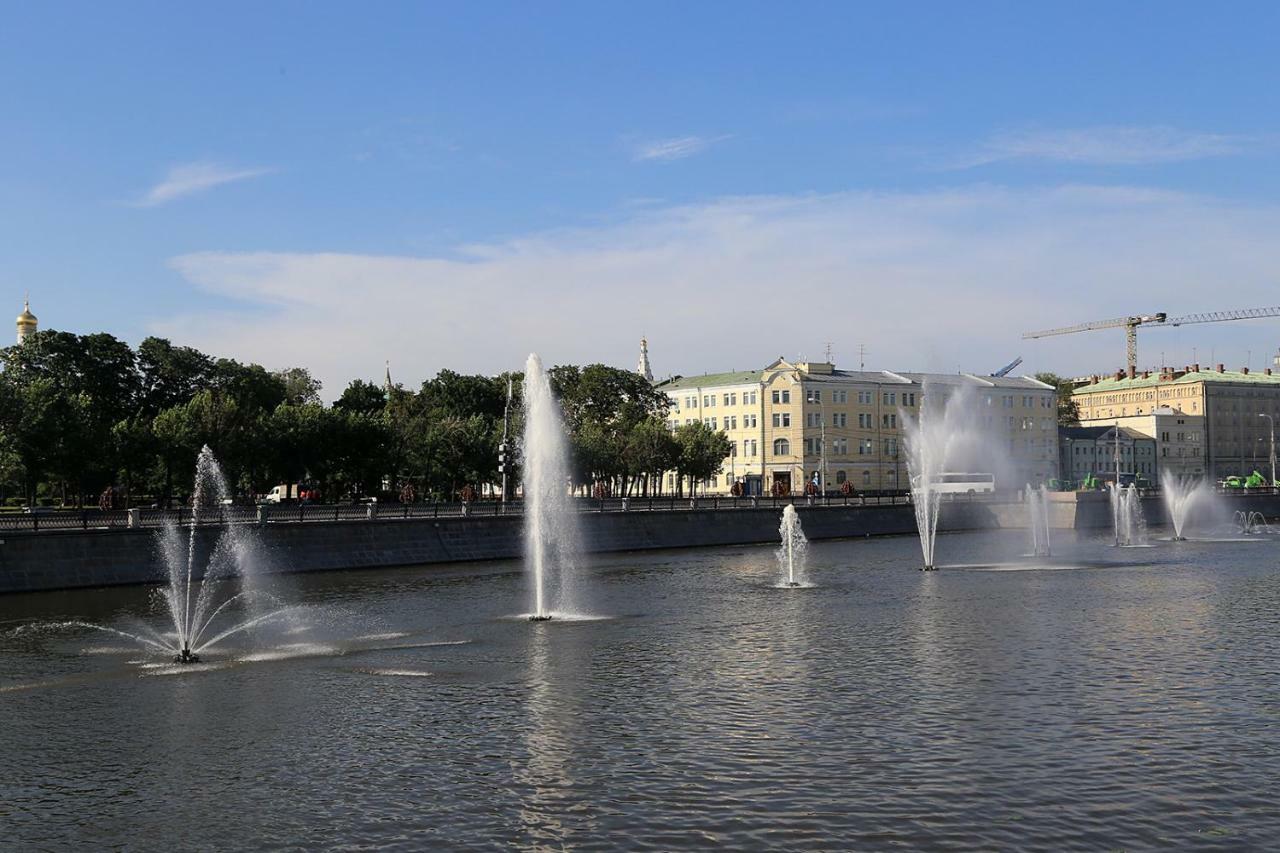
794, 545
1037, 501
1180, 495
550, 520
1127, 516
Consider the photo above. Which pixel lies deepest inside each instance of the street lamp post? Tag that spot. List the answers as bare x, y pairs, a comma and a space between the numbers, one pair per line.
1272, 422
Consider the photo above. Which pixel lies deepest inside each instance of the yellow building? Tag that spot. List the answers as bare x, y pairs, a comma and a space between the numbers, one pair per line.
1237, 407
793, 424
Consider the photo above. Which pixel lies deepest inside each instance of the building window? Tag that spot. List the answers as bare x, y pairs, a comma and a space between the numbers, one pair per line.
840, 478
890, 398
889, 421
866, 478
781, 447
815, 395
749, 421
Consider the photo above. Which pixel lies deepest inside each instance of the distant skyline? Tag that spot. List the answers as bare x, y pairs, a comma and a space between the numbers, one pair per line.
455, 185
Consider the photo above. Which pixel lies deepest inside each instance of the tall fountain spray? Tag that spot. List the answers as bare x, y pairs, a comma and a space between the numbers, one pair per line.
550, 521
1180, 495
1037, 501
1127, 516
935, 441
794, 546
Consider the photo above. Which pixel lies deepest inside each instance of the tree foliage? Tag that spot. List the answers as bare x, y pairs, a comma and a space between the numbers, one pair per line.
79, 414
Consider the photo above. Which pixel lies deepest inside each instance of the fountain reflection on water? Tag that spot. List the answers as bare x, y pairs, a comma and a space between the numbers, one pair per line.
552, 541
795, 546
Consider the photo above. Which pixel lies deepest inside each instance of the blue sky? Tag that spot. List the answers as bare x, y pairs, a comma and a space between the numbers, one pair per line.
457, 184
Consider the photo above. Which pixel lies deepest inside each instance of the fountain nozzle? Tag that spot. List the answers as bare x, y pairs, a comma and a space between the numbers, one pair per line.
185, 656
537, 618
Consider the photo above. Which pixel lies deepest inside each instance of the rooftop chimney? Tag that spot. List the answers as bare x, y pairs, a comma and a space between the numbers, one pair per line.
1133, 371
1146, 374
1119, 375
1222, 368
1245, 371
1196, 367
1268, 371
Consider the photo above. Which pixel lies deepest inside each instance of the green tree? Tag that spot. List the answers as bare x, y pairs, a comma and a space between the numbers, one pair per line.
702, 452
169, 376
362, 398
300, 388
651, 449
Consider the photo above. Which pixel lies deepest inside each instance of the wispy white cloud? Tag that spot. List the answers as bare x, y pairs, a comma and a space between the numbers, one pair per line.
1121, 146
936, 280
191, 178
676, 148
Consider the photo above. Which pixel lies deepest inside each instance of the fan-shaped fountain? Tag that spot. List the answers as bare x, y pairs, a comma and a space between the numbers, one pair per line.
1181, 495
552, 542
1127, 516
202, 606
791, 556
1251, 523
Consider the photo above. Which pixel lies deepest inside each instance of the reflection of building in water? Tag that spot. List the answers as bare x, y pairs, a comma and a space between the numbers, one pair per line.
27, 323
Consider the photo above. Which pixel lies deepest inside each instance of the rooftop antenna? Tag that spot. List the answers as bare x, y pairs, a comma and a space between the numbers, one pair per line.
862, 356
829, 361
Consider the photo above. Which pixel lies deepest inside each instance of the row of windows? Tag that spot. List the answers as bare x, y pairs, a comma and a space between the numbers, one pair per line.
813, 447
1110, 450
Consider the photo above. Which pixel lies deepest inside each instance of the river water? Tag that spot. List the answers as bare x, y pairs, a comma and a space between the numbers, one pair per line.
1126, 699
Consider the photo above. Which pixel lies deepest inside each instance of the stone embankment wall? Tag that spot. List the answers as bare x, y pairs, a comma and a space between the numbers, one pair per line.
86, 558
83, 558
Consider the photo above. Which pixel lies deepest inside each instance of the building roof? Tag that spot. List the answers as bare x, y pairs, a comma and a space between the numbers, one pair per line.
870, 377
1095, 433
1110, 383
1025, 383
710, 380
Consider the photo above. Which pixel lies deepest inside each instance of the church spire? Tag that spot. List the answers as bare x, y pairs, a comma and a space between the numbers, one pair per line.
27, 323
643, 367
386, 382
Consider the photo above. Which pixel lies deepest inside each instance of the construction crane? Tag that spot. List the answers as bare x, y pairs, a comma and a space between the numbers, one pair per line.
1131, 324
1008, 368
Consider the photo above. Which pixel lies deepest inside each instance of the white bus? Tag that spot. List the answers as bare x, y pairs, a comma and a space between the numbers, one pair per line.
955, 483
